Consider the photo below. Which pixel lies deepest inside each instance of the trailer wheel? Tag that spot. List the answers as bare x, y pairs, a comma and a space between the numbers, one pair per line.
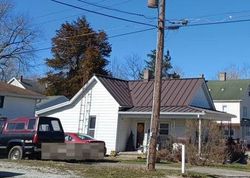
15, 153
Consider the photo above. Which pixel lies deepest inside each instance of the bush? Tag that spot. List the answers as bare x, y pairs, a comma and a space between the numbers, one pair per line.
236, 152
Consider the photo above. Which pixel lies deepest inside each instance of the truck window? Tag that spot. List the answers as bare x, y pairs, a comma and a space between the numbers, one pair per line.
44, 127
11, 126
31, 124
55, 125
20, 126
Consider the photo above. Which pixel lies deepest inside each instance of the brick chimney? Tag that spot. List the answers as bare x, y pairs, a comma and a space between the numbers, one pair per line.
222, 76
147, 75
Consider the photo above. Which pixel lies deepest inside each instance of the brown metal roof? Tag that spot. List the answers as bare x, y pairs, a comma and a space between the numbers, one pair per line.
118, 89
175, 92
11, 90
180, 109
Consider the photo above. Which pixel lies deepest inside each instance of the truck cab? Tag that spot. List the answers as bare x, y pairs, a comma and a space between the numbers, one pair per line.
23, 137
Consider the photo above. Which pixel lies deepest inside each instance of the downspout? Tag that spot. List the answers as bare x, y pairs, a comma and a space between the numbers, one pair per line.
199, 141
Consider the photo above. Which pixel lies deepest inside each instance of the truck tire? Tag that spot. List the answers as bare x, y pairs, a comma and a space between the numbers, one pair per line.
15, 153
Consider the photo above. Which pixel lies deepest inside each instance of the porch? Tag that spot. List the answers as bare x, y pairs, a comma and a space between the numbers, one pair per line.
134, 128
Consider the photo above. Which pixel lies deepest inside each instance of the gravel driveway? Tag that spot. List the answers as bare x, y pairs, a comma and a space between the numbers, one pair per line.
13, 169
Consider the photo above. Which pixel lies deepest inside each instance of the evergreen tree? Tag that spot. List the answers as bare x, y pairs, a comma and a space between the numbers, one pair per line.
78, 52
166, 64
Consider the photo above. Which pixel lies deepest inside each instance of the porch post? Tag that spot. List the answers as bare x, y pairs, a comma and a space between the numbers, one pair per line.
199, 144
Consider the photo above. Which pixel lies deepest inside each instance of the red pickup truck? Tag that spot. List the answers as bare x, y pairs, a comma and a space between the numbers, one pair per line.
22, 137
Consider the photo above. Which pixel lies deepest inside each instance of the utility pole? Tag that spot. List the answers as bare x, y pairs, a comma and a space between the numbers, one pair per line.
151, 157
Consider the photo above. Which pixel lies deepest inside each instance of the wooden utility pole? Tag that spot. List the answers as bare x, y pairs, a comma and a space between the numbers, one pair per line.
151, 158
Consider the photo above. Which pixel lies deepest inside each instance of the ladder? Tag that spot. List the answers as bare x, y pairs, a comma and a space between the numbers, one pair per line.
84, 113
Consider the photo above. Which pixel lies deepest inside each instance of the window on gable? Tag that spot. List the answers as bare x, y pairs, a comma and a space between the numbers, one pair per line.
1, 101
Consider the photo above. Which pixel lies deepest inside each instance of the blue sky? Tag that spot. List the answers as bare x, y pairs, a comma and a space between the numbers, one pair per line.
195, 50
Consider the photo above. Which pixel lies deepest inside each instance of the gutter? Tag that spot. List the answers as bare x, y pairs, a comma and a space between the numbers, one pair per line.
164, 113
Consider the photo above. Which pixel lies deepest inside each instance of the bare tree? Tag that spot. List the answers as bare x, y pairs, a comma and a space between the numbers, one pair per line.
16, 38
134, 67
235, 72
131, 69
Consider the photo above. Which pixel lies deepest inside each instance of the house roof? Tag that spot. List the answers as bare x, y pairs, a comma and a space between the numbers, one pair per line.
174, 92
136, 96
29, 84
229, 89
10, 90
51, 101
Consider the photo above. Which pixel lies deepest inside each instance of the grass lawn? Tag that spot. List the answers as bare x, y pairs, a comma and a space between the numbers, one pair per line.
105, 169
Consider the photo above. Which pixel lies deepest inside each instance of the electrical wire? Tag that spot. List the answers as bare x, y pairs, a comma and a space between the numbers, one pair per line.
114, 36
106, 15
117, 10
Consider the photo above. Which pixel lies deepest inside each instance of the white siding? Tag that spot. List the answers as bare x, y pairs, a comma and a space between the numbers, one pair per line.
16, 83
18, 107
232, 108
103, 106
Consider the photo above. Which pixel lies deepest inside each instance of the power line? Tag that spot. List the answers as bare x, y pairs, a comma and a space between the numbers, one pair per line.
217, 23
114, 36
106, 15
117, 10
129, 33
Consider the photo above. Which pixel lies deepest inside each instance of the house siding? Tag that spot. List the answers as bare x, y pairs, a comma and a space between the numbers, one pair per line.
232, 108
18, 107
103, 106
16, 83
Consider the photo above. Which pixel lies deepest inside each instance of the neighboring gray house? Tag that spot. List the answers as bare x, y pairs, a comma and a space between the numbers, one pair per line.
17, 102
110, 108
35, 86
28, 84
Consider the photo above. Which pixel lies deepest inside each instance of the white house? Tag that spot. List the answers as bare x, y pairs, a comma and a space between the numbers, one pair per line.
233, 96
109, 109
17, 102
28, 84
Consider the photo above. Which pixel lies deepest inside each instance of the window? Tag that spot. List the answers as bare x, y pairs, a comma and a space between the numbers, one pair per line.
19, 126
226, 132
31, 124
1, 101
11, 126
247, 131
164, 129
44, 127
92, 121
55, 125
224, 108
244, 111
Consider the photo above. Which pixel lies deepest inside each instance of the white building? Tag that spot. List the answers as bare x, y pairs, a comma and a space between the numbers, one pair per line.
17, 102
233, 96
110, 109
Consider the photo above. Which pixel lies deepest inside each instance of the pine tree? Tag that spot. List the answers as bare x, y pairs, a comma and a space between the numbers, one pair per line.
166, 64
78, 52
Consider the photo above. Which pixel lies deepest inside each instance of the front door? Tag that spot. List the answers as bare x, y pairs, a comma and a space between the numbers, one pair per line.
140, 135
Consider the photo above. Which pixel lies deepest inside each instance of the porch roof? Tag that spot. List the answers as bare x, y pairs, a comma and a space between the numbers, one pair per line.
187, 112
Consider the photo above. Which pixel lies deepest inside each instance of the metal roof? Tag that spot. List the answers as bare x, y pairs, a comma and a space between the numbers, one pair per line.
175, 92
172, 109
